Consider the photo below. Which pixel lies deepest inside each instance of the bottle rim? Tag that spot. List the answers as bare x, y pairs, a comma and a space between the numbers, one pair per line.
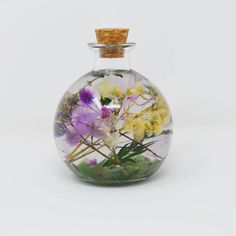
124, 45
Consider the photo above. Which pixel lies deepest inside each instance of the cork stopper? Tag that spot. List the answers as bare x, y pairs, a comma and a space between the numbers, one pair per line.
114, 37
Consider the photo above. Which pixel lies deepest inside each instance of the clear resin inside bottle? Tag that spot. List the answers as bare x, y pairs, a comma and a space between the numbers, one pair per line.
113, 126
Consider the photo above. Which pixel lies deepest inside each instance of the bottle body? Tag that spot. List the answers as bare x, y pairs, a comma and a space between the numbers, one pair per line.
113, 126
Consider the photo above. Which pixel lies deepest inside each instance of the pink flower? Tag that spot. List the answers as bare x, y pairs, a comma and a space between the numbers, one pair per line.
92, 162
105, 112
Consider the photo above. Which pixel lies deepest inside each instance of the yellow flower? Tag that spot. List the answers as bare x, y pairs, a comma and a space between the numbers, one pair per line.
136, 90
160, 102
151, 121
128, 125
118, 92
137, 126
157, 127
152, 115
165, 116
107, 89
148, 127
139, 129
156, 119
138, 135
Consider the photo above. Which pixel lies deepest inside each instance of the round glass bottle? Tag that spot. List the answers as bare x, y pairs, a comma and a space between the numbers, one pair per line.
113, 126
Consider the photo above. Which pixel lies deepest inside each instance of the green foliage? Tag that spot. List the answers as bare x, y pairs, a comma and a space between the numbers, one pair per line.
98, 74
137, 168
128, 151
132, 149
152, 89
118, 74
105, 101
167, 131
164, 132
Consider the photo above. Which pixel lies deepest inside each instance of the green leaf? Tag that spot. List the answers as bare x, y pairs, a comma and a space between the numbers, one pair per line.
98, 74
168, 131
134, 149
152, 89
123, 151
129, 150
105, 101
133, 145
118, 74
165, 132
126, 149
127, 158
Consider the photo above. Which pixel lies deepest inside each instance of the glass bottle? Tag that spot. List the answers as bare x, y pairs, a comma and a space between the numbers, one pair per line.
113, 126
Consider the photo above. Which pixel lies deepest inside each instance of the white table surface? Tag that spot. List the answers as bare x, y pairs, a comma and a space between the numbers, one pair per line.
194, 192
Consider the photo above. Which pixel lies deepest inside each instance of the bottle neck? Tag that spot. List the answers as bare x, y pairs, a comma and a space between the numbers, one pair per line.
118, 63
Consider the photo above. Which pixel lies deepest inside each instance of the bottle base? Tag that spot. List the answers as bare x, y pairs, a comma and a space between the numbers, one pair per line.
139, 168
114, 183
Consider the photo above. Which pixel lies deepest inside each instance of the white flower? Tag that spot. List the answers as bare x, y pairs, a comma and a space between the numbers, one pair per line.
112, 139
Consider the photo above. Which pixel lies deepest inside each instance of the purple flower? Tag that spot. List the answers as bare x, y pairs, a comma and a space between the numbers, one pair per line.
105, 112
92, 162
132, 98
86, 96
73, 137
59, 129
87, 122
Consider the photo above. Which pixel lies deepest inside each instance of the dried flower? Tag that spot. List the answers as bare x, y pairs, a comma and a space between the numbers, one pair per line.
86, 122
59, 128
156, 120
132, 98
137, 126
92, 162
160, 102
117, 92
66, 106
107, 90
137, 90
86, 96
112, 140
139, 129
106, 112
73, 137
128, 124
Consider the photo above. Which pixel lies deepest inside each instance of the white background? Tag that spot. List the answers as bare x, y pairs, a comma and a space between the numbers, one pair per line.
187, 48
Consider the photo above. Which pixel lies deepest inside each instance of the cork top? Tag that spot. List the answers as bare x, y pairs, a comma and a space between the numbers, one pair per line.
112, 36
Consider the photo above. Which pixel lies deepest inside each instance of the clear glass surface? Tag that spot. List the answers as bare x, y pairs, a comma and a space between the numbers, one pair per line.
113, 126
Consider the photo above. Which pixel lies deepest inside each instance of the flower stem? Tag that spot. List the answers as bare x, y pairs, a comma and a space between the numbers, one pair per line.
71, 154
101, 153
114, 158
123, 134
85, 154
